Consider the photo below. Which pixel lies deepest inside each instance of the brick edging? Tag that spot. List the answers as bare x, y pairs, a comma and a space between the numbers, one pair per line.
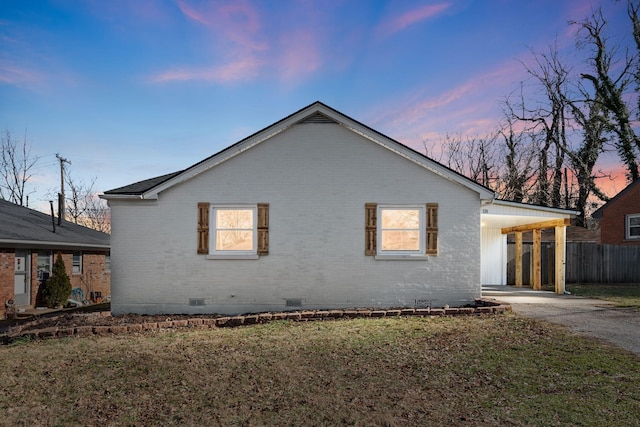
483, 306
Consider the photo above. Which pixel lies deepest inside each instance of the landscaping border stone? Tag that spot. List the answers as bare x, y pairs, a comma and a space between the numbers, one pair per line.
482, 307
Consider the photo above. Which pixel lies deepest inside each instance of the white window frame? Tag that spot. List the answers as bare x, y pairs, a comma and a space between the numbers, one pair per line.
402, 254
239, 254
41, 256
628, 226
75, 270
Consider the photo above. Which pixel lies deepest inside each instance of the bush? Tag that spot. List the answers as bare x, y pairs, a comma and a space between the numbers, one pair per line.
57, 288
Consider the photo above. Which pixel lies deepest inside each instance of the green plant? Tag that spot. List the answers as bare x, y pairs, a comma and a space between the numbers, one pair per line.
57, 288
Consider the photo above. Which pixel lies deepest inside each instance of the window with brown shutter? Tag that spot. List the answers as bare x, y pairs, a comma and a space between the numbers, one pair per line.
401, 231
432, 229
233, 230
263, 228
203, 228
370, 228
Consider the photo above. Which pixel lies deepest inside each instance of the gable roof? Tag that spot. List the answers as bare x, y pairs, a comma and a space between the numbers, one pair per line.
597, 214
313, 113
142, 186
24, 227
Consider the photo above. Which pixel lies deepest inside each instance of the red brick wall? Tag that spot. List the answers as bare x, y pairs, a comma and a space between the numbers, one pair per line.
93, 277
7, 266
613, 225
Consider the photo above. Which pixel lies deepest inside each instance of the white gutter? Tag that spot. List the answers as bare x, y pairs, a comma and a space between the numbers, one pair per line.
34, 243
536, 207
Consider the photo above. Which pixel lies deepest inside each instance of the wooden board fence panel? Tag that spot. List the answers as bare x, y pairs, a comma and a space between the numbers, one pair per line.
586, 263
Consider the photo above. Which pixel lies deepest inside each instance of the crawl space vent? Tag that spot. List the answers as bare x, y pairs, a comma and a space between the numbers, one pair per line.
293, 303
423, 303
196, 301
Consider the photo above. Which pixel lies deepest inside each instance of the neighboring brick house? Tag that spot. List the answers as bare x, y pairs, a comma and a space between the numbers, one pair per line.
620, 217
316, 211
28, 246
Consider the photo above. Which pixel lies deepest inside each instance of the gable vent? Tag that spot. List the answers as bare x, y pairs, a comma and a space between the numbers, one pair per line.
317, 118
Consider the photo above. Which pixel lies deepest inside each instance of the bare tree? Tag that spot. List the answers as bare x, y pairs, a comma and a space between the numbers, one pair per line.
546, 119
610, 89
16, 163
583, 159
518, 155
474, 157
84, 207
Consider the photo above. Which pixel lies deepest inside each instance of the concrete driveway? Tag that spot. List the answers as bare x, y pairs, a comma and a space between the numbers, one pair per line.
591, 317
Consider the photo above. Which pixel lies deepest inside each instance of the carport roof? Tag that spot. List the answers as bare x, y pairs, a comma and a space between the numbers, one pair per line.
503, 214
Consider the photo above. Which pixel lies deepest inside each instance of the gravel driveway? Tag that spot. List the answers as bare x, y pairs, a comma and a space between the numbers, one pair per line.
585, 316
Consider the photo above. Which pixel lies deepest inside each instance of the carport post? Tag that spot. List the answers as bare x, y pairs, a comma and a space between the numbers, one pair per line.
518, 259
537, 274
561, 232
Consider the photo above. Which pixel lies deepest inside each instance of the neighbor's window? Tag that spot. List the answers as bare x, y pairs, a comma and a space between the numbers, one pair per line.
44, 265
633, 226
77, 263
107, 263
234, 230
401, 230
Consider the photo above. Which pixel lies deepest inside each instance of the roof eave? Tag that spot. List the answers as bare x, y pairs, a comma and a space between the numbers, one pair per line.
560, 211
50, 244
125, 197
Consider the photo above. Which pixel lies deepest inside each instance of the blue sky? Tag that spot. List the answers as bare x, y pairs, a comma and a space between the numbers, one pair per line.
131, 89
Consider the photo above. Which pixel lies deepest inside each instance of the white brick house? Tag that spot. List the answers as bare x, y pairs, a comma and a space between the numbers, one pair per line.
314, 211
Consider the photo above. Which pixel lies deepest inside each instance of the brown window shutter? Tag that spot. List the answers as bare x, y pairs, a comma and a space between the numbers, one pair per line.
203, 228
432, 229
370, 227
263, 229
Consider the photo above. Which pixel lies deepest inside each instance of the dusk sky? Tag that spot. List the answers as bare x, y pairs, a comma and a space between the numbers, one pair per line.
132, 89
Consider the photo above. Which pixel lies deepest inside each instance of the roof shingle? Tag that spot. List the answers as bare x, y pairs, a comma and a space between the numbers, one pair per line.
23, 226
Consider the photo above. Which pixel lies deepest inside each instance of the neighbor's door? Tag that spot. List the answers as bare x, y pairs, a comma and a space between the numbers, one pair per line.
21, 290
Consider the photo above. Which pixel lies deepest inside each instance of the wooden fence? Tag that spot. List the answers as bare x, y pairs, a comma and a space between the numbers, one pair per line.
586, 263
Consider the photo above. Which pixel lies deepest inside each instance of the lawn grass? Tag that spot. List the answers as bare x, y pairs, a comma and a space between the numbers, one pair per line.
624, 294
472, 371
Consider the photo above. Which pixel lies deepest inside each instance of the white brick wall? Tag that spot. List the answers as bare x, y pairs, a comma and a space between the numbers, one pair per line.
316, 179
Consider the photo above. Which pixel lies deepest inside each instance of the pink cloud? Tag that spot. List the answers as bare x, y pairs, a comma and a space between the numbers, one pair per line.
239, 22
300, 56
19, 76
244, 69
411, 17
431, 108
471, 108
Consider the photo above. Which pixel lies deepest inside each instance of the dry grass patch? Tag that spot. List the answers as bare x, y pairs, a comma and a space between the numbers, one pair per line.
494, 370
624, 294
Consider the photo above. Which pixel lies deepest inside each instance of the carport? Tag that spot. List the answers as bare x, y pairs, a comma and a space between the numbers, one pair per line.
500, 218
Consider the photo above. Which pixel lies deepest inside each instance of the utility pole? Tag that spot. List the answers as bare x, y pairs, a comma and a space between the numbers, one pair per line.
61, 207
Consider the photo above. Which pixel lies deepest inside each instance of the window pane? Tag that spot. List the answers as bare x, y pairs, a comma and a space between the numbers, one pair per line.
401, 218
77, 262
634, 231
234, 240
396, 240
634, 220
234, 218
43, 262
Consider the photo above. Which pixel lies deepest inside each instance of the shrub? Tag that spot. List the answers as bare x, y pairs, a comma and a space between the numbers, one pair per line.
57, 288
